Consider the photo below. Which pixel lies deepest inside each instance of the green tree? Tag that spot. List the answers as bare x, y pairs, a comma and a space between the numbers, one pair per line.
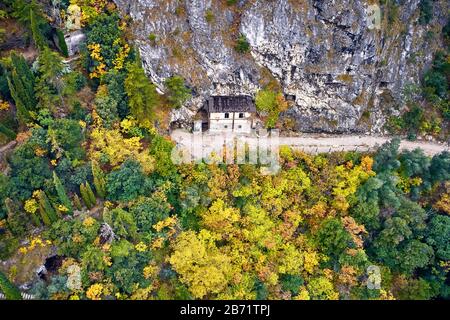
122, 222
332, 238
177, 92
66, 137
126, 183
438, 235
20, 9
386, 156
440, 167
93, 259
62, 195
106, 106
48, 214
115, 81
17, 220
62, 43
29, 171
426, 11
38, 37
161, 149
50, 81
142, 95
87, 195
150, 210
99, 179
21, 82
416, 289
77, 202
270, 103
10, 291
104, 30
7, 132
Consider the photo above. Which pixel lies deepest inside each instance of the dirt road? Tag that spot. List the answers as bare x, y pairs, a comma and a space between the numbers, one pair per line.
310, 143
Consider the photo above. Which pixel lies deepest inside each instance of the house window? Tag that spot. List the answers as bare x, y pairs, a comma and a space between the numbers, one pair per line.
239, 126
225, 126
227, 115
241, 115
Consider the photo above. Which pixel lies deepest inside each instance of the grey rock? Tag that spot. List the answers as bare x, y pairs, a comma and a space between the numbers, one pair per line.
342, 75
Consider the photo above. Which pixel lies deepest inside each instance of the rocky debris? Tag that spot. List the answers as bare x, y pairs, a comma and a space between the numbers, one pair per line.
74, 40
106, 233
342, 74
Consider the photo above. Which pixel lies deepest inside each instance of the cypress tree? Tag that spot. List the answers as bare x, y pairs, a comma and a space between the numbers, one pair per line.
99, 180
62, 195
17, 220
38, 38
26, 77
22, 112
7, 132
10, 291
90, 194
45, 218
47, 211
21, 82
77, 202
85, 196
62, 43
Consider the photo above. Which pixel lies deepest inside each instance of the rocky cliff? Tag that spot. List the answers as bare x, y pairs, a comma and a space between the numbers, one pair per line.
343, 72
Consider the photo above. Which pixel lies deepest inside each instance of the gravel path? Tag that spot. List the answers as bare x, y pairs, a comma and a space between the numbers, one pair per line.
311, 143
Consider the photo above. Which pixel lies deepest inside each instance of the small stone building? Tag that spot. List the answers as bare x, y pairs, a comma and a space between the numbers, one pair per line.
230, 114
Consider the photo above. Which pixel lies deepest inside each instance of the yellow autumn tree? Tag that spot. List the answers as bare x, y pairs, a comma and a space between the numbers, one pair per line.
200, 264
221, 219
346, 180
110, 143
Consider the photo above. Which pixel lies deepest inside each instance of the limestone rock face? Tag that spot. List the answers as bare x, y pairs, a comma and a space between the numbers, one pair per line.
342, 72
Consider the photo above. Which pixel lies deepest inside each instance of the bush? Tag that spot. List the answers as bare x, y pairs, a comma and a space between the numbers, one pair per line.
209, 16
270, 103
242, 45
152, 37
426, 12
437, 81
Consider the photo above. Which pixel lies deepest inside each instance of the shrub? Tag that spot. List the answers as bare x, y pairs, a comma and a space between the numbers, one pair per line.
209, 16
242, 45
426, 12
152, 37
270, 103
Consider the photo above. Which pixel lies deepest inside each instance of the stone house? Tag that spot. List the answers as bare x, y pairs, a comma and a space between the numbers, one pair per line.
230, 114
